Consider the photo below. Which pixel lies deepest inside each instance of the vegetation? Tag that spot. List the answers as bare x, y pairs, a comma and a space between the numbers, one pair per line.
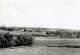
63, 33
9, 40
43, 32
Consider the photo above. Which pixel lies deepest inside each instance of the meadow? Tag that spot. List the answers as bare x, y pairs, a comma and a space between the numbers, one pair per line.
44, 41
39, 50
41, 46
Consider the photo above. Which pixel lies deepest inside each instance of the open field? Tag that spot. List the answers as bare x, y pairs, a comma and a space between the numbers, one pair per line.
41, 47
39, 50
44, 41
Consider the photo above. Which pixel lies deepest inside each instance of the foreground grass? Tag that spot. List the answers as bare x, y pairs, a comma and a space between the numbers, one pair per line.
39, 50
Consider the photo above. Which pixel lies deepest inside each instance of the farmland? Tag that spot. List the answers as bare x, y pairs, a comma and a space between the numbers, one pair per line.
39, 50
41, 45
43, 41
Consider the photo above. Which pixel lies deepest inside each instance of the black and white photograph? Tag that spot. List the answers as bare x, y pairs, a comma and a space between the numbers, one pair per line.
39, 27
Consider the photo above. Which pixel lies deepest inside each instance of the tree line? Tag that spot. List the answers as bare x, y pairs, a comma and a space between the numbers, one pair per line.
64, 33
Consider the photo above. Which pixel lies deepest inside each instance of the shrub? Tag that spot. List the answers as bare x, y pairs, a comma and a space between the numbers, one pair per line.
0, 40
19, 41
24, 40
8, 40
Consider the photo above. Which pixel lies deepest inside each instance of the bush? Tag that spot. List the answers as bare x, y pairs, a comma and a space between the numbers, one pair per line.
0, 40
24, 40
8, 40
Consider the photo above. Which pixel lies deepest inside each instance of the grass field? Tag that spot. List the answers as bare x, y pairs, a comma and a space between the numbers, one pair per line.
39, 50
40, 47
43, 41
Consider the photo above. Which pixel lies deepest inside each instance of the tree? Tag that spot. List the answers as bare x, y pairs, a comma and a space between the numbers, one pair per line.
3, 27
25, 30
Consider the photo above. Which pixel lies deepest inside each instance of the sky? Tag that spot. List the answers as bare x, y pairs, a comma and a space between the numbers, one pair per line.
40, 13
